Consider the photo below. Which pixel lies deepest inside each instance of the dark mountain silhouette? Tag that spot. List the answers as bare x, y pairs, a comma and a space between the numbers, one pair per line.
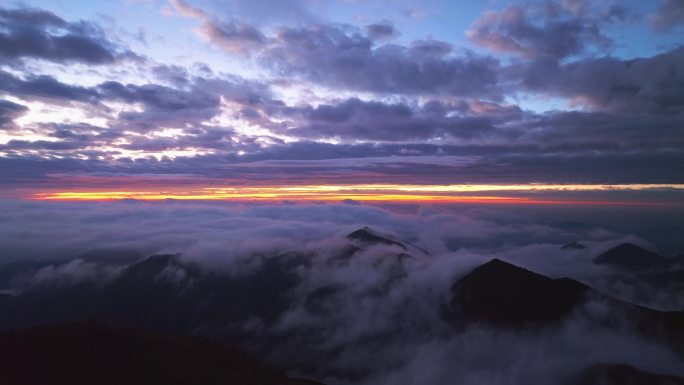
15, 269
146, 295
630, 257
501, 294
87, 353
367, 235
573, 246
621, 374
111, 255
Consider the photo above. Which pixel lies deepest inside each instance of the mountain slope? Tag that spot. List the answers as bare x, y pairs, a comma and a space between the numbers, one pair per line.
621, 374
91, 353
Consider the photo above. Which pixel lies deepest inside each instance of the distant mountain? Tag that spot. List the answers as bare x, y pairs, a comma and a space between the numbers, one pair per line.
501, 294
621, 374
630, 257
87, 353
573, 246
367, 235
111, 255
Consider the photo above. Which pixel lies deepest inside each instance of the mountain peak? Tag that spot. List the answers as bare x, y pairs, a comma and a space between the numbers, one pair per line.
573, 246
628, 256
502, 294
368, 235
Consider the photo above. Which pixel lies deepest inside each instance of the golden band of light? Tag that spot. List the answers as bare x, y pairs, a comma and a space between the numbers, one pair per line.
360, 192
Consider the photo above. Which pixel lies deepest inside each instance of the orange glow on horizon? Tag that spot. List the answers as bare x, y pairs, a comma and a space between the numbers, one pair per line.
386, 193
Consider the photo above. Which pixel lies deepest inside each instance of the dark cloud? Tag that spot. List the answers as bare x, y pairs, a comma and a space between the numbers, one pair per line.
40, 34
193, 101
234, 36
158, 97
619, 147
556, 30
381, 30
204, 138
44, 86
562, 167
617, 131
436, 142
164, 106
354, 119
669, 15
621, 127
645, 84
308, 163
18, 145
173, 74
430, 49
433, 104
9, 111
343, 57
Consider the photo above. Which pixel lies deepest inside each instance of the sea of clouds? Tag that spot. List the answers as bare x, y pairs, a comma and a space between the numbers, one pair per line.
377, 318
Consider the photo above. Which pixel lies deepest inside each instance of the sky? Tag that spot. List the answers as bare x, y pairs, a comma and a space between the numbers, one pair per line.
501, 102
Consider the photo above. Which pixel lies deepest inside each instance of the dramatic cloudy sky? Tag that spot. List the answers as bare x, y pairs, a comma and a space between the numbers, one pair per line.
526, 101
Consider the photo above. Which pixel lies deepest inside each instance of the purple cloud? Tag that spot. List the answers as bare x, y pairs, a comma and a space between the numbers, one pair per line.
670, 14
344, 57
551, 29
9, 111
40, 34
381, 30
644, 84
